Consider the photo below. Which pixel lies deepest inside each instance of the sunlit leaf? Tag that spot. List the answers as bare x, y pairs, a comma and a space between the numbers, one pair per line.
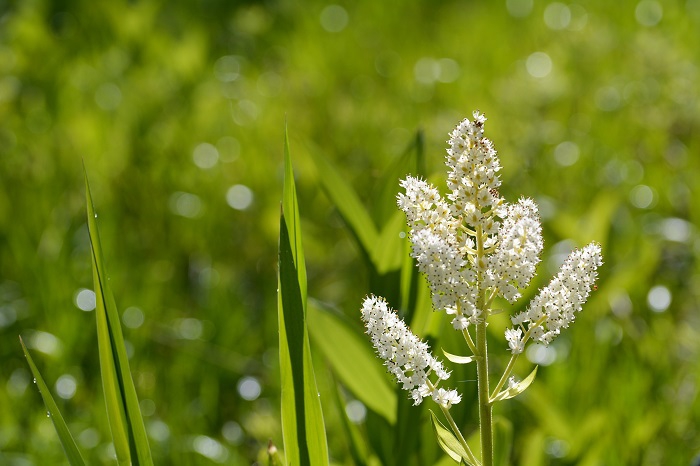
448, 442
516, 389
302, 418
67, 442
458, 359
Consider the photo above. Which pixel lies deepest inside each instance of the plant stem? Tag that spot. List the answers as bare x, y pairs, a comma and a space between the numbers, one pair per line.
514, 357
482, 363
459, 435
482, 372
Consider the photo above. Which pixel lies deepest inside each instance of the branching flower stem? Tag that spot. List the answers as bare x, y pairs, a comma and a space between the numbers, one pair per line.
456, 431
514, 358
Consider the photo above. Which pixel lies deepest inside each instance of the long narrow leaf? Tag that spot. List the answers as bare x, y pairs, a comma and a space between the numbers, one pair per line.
330, 333
303, 429
126, 423
67, 442
448, 442
348, 204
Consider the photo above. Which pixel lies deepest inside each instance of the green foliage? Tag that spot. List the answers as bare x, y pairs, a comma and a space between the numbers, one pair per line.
302, 418
67, 442
139, 89
125, 420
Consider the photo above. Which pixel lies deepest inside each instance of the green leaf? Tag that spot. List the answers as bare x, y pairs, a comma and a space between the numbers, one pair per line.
448, 442
389, 250
518, 388
303, 430
350, 355
458, 359
126, 423
348, 204
69, 446
409, 162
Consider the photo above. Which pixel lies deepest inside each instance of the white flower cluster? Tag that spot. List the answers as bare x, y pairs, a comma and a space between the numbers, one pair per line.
557, 304
443, 234
405, 356
518, 252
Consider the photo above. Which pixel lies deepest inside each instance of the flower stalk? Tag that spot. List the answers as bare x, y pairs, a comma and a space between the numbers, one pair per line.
473, 247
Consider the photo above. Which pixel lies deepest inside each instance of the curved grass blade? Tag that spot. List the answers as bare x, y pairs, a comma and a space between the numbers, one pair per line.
348, 204
303, 429
126, 423
67, 442
331, 332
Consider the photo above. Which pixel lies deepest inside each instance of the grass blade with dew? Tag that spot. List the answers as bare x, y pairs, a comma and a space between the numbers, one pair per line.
67, 442
126, 422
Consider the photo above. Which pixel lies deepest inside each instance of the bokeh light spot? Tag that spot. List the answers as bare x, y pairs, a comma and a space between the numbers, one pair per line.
85, 300
66, 386
541, 354
232, 432
239, 197
566, 153
557, 16
158, 430
676, 229
210, 448
642, 196
205, 155
185, 204
45, 342
648, 13
538, 65
334, 18
356, 411
659, 298
133, 317
227, 68
249, 388
190, 328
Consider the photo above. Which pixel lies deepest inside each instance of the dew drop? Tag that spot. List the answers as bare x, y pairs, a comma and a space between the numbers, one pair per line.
34, 380
48, 414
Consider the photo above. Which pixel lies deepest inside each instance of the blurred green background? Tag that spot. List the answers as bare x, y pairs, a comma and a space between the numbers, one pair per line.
178, 109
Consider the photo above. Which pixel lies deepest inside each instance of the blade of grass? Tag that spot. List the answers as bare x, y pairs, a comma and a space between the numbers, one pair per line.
303, 429
126, 423
347, 202
67, 442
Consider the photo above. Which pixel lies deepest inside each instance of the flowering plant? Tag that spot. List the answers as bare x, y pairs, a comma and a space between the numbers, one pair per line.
472, 247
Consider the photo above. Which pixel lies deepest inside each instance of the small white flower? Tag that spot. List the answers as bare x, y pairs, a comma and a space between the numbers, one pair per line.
515, 340
446, 398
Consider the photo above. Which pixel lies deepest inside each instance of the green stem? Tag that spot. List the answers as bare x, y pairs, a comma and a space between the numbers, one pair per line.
458, 433
513, 358
482, 362
470, 342
482, 372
